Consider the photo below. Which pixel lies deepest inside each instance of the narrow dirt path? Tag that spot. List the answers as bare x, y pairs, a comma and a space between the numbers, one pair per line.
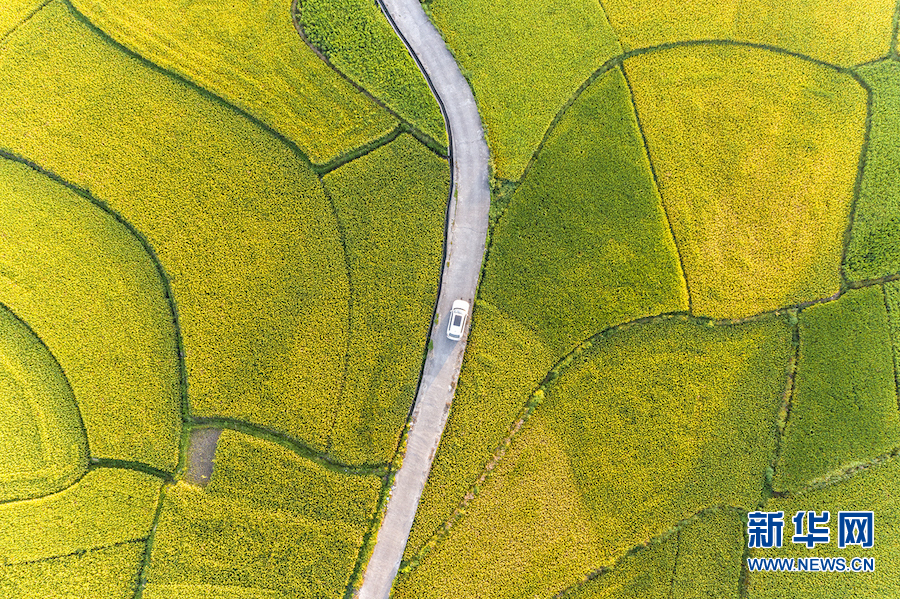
467, 224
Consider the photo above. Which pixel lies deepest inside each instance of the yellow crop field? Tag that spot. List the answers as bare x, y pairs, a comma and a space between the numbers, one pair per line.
13, 12
43, 448
249, 54
269, 520
756, 156
208, 591
106, 573
843, 32
503, 363
239, 222
694, 407
106, 507
95, 298
391, 204
524, 61
644, 574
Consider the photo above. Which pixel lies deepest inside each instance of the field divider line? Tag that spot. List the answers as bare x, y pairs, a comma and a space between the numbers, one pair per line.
141, 581
860, 173
27, 18
291, 443
650, 543
895, 29
783, 415
895, 342
184, 407
79, 552
420, 135
662, 201
141, 467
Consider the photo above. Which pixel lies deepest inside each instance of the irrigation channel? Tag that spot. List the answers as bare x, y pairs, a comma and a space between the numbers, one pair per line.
467, 223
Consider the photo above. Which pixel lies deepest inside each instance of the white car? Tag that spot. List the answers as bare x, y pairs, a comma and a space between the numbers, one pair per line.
458, 314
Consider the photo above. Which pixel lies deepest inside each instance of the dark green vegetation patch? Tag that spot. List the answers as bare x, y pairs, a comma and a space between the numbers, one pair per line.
844, 408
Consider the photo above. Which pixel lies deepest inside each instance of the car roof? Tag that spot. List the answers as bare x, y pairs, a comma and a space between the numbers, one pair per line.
461, 304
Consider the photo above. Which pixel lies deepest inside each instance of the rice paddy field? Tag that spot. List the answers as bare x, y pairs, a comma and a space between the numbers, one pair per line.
184, 245
606, 445
221, 240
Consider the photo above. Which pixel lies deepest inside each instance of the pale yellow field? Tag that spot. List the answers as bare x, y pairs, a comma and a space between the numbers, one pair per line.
756, 157
843, 32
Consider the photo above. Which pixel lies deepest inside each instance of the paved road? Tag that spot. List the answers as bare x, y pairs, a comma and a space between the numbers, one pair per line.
466, 233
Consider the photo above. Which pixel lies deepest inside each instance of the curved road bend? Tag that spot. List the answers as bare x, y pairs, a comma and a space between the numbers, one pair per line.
466, 233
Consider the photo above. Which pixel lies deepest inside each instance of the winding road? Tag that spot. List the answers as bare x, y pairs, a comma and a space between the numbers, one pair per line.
466, 233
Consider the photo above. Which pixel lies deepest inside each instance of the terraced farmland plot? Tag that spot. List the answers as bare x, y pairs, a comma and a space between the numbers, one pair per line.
756, 157
685, 413
44, 447
269, 521
846, 32
95, 298
14, 12
249, 54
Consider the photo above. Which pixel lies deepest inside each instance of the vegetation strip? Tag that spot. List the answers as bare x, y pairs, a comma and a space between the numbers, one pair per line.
287, 442
425, 139
538, 394
130, 465
148, 547
662, 200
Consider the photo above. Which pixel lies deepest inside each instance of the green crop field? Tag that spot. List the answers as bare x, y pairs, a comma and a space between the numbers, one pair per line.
44, 448
695, 410
874, 249
590, 208
357, 39
103, 315
844, 381
846, 32
605, 257
250, 55
391, 205
105, 573
268, 520
524, 61
222, 228
742, 209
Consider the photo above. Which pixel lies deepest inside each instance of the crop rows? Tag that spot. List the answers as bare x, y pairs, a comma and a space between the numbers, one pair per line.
750, 148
